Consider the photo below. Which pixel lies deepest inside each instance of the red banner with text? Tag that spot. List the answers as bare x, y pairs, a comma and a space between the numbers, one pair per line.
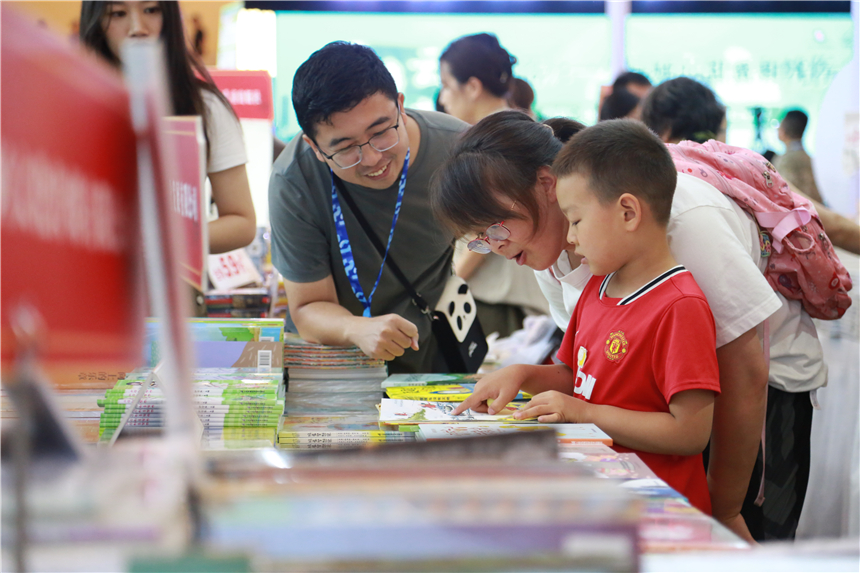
248, 91
69, 234
188, 195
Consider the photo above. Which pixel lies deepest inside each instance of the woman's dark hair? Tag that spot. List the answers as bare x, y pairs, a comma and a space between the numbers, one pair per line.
625, 79
500, 155
481, 56
521, 95
186, 74
683, 108
618, 104
336, 78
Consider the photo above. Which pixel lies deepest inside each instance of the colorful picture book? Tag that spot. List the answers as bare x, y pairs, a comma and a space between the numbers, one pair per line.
226, 342
439, 392
423, 412
399, 380
566, 433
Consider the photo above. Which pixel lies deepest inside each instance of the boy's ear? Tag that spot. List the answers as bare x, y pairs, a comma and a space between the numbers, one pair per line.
631, 209
313, 146
546, 182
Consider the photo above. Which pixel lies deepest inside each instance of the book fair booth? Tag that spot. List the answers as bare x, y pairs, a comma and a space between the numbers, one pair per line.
135, 438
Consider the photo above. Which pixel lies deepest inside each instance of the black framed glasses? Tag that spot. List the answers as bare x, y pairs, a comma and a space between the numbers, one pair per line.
382, 141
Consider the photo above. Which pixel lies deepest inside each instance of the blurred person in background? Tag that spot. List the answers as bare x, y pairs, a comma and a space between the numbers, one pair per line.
621, 104
477, 77
684, 109
522, 97
634, 82
795, 165
624, 97
105, 26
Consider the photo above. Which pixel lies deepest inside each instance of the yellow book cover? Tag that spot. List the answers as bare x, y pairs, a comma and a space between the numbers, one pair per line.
439, 393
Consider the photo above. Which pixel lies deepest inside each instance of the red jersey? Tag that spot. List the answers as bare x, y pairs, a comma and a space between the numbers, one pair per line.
637, 352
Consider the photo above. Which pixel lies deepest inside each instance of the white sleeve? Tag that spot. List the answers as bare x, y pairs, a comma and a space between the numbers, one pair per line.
713, 245
554, 294
226, 142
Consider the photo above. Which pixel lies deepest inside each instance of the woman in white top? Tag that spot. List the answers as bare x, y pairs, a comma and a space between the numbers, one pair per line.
476, 74
105, 25
500, 171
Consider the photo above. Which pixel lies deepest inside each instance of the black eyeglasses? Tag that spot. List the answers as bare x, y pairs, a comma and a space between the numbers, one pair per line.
382, 141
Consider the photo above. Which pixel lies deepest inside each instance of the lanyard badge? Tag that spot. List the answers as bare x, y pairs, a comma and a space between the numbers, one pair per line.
349, 265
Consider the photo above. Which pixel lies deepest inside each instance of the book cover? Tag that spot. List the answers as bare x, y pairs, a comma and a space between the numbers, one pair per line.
565, 433
440, 392
421, 412
396, 380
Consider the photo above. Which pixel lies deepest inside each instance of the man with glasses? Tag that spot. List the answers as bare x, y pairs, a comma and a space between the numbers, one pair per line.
357, 138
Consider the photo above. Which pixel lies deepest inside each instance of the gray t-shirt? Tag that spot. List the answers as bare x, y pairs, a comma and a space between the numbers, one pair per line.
304, 240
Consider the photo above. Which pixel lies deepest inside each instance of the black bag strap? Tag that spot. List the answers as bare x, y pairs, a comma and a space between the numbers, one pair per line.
417, 299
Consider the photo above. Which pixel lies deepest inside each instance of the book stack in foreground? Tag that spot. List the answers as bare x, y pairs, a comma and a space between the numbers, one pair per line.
233, 404
332, 396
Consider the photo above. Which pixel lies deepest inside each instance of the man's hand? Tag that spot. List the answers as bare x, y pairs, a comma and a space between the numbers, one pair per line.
386, 337
554, 407
500, 386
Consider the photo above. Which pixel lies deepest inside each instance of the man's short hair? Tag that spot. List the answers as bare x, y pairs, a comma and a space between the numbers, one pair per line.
620, 156
794, 124
336, 78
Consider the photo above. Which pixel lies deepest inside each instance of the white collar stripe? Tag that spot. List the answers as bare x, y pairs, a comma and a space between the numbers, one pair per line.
652, 285
605, 284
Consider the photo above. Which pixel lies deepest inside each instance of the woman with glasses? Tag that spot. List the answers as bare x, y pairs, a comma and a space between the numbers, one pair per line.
498, 183
477, 78
105, 26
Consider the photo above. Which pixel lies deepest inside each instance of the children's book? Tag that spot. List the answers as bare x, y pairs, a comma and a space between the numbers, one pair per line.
566, 433
428, 379
423, 412
439, 392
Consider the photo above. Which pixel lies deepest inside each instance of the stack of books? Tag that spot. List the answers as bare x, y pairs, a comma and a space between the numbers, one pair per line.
333, 392
232, 404
325, 380
239, 303
315, 367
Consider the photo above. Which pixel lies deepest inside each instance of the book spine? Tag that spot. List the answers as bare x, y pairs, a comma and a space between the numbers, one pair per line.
346, 434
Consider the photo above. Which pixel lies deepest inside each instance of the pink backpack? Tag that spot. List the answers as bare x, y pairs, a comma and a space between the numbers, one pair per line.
801, 263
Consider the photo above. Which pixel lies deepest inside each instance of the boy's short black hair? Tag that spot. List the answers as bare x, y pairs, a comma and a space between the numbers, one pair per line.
336, 78
794, 124
622, 156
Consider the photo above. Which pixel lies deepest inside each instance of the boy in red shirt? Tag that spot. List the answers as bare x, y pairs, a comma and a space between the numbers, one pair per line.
639, 357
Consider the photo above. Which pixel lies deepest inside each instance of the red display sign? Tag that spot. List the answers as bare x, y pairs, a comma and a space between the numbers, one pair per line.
69, 231
188, 195
248, 91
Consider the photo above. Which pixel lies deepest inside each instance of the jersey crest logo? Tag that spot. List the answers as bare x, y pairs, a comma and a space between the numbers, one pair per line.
616, 346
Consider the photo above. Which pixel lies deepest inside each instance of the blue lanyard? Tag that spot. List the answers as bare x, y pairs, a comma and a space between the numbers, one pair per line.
343, 239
